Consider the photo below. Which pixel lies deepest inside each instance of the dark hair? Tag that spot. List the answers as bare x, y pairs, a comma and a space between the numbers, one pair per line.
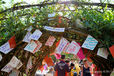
62, 56
71, 64
67, 61
84, 60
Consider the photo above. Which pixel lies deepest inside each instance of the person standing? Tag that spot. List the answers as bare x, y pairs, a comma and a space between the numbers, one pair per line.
85, 69
62, 68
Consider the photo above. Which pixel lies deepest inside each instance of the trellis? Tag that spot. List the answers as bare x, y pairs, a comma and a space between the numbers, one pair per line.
45, 50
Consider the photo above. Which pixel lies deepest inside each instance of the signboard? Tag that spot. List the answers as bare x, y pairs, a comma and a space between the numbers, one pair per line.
73, 48
26, 38
5, 48
50, 41
62, 45
103, 52
90, 43
36, 35
54, 29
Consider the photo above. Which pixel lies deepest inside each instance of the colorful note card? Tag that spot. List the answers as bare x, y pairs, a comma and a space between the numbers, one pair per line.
7, 68
112, 50
5, 48
58, 56
62, 45
90, 43
50, 41
54, 29
39, 45
103, 52
26, 38
14, 62
36, 35
80, 54
31, 46
73, 48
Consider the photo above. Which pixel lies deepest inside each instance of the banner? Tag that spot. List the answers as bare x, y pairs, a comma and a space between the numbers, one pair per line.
112, 50
14, 62
63, 44
0, 57
73, 48
26, 38
54, 29
50, 41
103, 52
36, 35
90, 43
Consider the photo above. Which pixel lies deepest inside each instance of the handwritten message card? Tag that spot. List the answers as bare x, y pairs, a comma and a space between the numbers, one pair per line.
103, 52
26, 38
36, 35
90, 43
50, 41
62, 45
73, 48
5, 48
31, 46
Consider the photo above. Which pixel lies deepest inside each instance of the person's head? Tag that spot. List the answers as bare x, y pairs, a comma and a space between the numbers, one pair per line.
85, 62
67, 61
62, 57
71, 65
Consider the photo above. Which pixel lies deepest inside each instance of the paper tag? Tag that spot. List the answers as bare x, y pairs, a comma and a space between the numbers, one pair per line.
90, 43
26, 38
36, 35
